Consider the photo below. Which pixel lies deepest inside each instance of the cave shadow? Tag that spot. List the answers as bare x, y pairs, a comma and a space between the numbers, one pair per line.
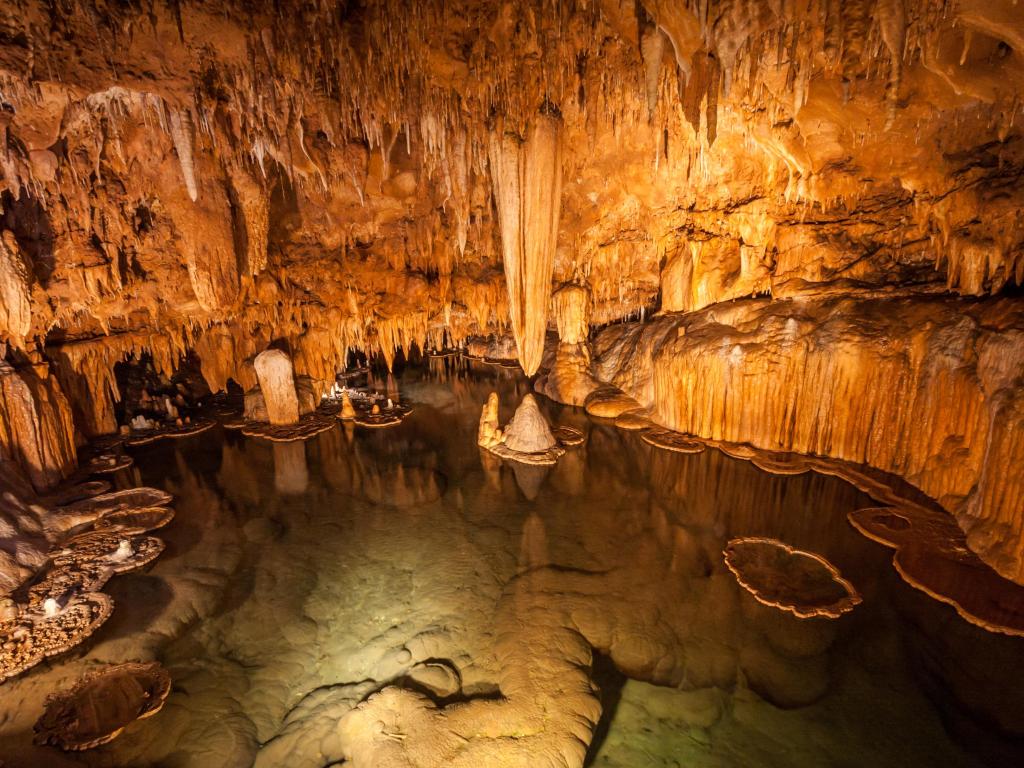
611, 682
139, 600
27, 220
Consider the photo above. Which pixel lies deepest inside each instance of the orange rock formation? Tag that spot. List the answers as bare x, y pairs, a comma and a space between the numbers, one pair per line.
208, 179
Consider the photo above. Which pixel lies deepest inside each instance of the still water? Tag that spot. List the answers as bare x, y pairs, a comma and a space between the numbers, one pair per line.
300, 578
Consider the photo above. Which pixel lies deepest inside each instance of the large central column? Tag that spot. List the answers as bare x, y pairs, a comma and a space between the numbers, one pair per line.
527, 179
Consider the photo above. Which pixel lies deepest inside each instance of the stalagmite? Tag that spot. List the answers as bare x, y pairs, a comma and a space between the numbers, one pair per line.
570, 378
347, 411
277, 384
528, 432
489, 433
527, 179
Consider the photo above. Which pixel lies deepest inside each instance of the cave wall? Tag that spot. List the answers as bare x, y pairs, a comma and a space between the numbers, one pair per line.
925, 388
36, 431
327, 177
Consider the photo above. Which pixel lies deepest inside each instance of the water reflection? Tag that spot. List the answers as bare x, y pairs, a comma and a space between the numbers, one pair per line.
291, 475
305, 576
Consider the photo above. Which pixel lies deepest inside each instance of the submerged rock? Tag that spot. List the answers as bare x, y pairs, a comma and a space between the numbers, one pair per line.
99, 707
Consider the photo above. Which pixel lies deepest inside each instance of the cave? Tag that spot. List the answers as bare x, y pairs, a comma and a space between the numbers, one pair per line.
512, 383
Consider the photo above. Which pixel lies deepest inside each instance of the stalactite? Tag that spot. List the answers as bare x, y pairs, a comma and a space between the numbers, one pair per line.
180, 122
527, 179
252, 202
892, 19
15, 297
652, 48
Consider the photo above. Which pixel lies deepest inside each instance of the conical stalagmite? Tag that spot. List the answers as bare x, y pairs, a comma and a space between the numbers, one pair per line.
528, 432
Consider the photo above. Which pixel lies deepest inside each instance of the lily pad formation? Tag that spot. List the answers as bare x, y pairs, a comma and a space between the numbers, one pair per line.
106, 463
932, 556
167, 431
671, 441
310, 425
102, 704
64, 606
778, 575
377, 417
49, 631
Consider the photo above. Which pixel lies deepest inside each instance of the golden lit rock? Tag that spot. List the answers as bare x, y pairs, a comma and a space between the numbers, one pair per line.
787, 232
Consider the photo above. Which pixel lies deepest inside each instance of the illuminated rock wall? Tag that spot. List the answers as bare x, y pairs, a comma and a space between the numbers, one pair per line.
35, 426
927, 389
385, 177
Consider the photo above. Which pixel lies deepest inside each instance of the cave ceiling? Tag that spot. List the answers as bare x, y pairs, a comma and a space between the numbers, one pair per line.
174, 171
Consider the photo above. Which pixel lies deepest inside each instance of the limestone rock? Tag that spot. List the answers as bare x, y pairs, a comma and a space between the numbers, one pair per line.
277, 383
528, 432
305, 391
853, 379
15, 298
489, 433
36, 430
255, 406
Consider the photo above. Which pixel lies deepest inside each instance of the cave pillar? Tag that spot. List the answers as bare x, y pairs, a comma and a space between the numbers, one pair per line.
36, 428
277, 383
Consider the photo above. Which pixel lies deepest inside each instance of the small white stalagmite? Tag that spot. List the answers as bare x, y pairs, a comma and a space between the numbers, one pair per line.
527, 179
489, 434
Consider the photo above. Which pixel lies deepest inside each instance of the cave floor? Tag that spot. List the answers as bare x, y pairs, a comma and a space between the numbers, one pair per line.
300, 578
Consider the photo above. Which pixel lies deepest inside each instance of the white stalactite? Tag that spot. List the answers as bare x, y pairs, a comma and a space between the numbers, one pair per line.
652, 48
527, 178
181, 135
15, 297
